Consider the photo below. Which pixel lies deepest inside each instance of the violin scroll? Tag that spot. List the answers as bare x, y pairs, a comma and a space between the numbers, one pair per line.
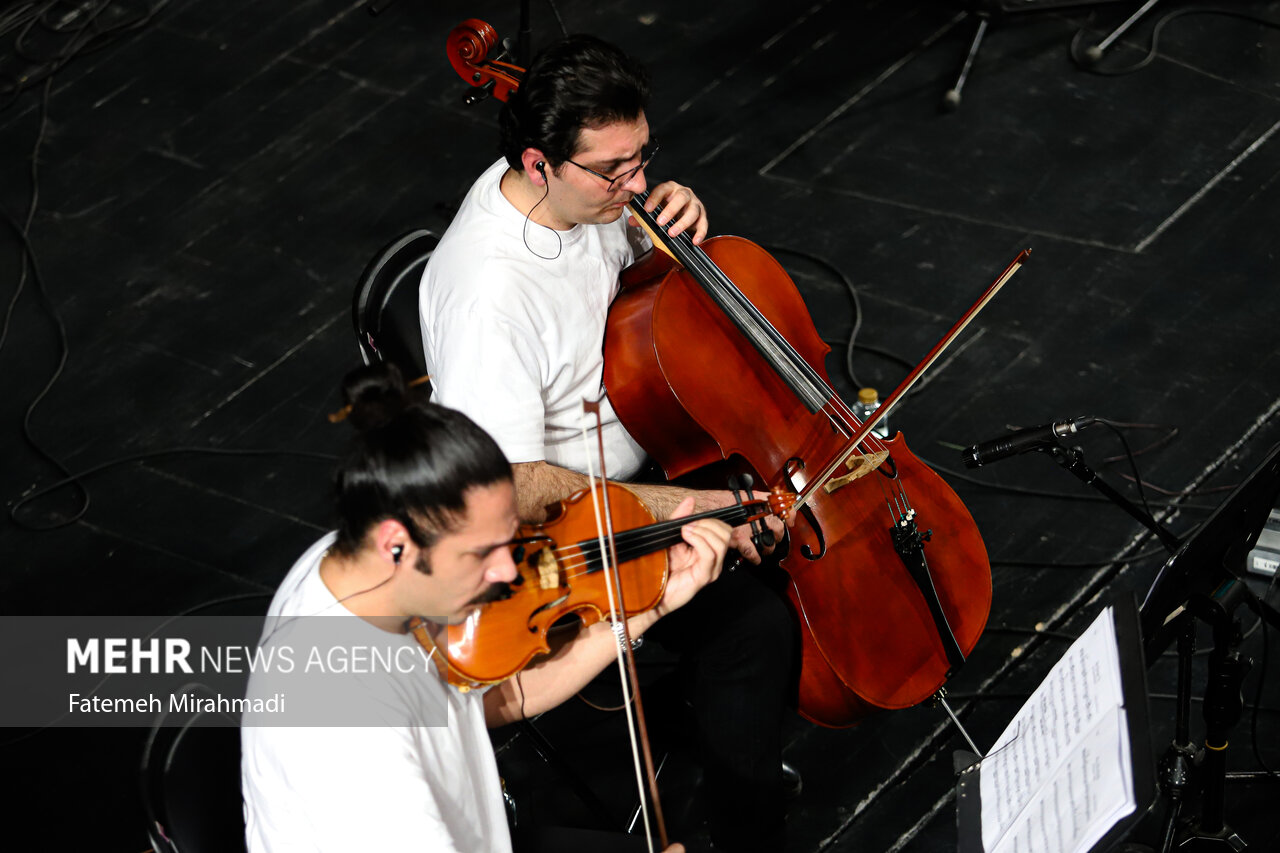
782, 501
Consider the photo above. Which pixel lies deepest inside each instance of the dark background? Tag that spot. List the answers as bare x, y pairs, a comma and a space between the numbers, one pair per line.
213, 176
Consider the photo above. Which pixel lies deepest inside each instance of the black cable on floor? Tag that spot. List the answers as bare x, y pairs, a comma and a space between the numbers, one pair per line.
85, 37
74, 479
850, 343
1043, 493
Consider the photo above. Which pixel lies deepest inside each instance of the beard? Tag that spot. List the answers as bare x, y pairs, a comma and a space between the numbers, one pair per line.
496, 592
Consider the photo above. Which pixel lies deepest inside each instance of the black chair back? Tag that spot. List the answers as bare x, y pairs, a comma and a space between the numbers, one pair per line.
191, 787
384, 309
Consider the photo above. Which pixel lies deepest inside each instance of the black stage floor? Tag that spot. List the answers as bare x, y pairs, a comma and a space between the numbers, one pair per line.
212, 181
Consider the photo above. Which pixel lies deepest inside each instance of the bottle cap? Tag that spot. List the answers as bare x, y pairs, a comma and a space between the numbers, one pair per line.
867, 396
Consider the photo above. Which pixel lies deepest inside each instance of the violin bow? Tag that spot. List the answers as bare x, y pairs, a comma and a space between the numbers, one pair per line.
883, 411
625, 653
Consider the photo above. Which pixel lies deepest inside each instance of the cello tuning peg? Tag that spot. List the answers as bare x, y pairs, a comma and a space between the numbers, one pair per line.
475, 96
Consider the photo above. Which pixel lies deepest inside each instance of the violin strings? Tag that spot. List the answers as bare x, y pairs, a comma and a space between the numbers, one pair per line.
583, 558
636, 543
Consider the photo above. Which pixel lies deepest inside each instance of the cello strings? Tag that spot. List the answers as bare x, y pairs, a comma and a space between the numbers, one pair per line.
693, 256
791, 367
725, 293
794, 370
818, 387
748, 318
893, 500
805, 381
761, 329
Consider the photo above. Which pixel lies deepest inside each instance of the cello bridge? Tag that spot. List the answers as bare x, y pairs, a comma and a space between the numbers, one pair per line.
859, 465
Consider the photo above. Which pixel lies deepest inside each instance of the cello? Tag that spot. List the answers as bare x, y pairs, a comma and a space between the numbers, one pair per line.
886, 572
883, 620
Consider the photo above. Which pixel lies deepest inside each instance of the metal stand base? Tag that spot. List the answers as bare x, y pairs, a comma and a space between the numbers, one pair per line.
1092, 55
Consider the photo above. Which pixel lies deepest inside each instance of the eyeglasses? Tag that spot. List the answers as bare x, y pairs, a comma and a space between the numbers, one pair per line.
646, 154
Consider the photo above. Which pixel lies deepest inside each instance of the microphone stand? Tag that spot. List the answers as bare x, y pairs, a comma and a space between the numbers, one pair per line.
1072, 459
1206, 590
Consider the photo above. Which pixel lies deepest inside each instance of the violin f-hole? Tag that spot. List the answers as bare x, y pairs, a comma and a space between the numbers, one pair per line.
550, 605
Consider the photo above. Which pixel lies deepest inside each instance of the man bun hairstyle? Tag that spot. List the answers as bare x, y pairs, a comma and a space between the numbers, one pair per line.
411, 461
578, 82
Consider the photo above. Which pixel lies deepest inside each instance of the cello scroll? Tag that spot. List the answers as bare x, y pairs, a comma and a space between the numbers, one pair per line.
468, 46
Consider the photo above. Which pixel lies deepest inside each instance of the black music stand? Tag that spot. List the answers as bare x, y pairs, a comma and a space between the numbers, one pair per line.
1204, 580
1123, 613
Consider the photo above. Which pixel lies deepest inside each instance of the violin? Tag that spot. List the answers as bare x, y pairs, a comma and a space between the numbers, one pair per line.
560, 567
887, 574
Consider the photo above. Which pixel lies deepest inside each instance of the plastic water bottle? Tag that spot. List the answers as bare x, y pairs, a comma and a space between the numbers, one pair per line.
868, 402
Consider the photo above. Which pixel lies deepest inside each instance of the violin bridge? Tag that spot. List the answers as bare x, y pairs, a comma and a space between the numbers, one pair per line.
859, 466
548, 570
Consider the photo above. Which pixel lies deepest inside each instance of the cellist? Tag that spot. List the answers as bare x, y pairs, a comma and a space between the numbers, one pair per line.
426, 512
513, 306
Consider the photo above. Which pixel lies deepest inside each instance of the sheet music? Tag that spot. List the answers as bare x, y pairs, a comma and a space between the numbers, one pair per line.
1060, 773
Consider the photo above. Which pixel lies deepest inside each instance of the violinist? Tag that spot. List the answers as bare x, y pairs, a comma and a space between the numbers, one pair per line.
513, 305
426, 512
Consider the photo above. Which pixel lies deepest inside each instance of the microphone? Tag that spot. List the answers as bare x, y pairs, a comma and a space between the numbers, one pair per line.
1020, 441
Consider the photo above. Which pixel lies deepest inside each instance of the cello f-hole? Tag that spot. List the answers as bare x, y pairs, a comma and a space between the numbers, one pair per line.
795, 464
807, 552
888, 468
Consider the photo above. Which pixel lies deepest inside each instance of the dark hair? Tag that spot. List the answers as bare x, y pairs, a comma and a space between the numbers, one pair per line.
576, 83
411, 461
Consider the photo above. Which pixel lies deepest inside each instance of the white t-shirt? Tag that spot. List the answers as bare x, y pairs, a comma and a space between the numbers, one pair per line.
409, 783
513, 333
